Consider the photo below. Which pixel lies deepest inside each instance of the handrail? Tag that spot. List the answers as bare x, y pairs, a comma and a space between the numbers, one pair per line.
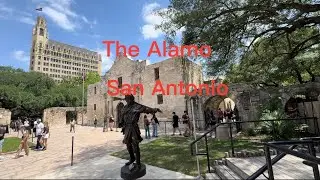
306, 140
265, 167
294, 153
205, 134
256, 121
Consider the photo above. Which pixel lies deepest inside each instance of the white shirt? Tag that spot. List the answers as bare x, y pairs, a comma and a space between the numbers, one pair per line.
39, 128
26, 123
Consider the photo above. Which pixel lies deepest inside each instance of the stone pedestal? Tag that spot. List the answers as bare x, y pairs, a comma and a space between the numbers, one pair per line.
133, 174
223, 132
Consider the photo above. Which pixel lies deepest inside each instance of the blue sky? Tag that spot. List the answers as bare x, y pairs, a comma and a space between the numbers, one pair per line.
81, 23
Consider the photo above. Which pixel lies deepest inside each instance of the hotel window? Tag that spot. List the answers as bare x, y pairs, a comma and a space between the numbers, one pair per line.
156, 73
95, 90
94, 107
160, 99
119, 82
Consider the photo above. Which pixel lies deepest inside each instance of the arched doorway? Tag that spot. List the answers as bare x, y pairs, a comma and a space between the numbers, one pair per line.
119, 107
214, 103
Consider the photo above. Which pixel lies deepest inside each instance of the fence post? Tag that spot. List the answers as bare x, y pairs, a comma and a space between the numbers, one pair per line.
269, 163
72, 151
165, 127
315, 168
231, 138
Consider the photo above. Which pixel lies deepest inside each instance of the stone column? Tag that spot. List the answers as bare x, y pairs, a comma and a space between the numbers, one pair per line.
200, 111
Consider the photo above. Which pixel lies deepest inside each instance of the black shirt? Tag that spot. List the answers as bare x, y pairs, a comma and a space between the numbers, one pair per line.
175, 119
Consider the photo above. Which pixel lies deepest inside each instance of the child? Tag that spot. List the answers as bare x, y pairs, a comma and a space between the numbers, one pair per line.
146, 126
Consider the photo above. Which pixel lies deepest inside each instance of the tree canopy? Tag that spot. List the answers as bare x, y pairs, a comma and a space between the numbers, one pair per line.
236, 30
29, 93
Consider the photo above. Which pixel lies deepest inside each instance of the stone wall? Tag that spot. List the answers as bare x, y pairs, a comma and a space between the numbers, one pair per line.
5, 116
56, 116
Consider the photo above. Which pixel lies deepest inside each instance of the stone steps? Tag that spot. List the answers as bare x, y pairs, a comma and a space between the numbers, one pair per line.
212, 176
224, 172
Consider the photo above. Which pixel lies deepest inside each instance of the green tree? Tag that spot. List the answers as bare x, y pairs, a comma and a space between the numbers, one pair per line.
233, 27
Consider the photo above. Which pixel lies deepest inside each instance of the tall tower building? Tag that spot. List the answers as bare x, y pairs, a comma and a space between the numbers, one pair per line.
58, 60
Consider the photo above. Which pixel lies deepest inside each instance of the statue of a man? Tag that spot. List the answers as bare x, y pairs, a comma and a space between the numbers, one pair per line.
129, 118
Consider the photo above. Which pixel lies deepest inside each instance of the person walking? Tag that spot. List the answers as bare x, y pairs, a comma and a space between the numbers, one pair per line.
146, 126
175, 123
95, 122
111, 122
186, 123
105, 121
45, 136
39, 132
155, 124
72, 126
27, 125
23, 145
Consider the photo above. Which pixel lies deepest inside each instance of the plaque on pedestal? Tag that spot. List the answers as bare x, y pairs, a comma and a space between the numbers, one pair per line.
132, 173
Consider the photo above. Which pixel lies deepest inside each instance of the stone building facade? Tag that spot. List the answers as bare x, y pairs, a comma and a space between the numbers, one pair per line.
58, 60
249, 98
57, 116
127, 71
5, 116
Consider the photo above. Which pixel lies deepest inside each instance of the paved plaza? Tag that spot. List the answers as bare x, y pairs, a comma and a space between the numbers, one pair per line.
91, 157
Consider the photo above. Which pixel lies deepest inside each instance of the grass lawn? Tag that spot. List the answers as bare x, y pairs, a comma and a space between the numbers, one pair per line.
12, 143
174, 153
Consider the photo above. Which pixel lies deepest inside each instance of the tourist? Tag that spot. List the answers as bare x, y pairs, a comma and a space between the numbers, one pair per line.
2, 133
220, 115
105, 123
95, 122
155, 124
229, 115
39, 131
24, 144
175, 123
146, 126
72, 125
186, 123
45, 136
35, 127
111, 122
27, 126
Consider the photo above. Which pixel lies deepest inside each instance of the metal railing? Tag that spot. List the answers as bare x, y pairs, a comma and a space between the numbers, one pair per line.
311, 159
230, 124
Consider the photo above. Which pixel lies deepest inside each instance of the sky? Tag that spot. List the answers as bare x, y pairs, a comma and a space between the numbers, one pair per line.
80, 23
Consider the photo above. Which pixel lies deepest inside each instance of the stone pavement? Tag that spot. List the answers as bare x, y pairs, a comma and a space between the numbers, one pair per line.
91, 159
108, 167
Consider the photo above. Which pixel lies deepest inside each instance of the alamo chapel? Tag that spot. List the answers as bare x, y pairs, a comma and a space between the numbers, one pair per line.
100, 105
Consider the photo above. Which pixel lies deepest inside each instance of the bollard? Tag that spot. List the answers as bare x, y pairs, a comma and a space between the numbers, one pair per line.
72, 151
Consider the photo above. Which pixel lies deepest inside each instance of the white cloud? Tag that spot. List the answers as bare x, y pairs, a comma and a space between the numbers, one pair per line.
152, 19
5, 10
106, 61
62, 13
20, 56
60, 18
27, 20
148, 62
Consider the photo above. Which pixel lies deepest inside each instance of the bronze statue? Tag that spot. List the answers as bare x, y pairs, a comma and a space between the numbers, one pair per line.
129, 118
